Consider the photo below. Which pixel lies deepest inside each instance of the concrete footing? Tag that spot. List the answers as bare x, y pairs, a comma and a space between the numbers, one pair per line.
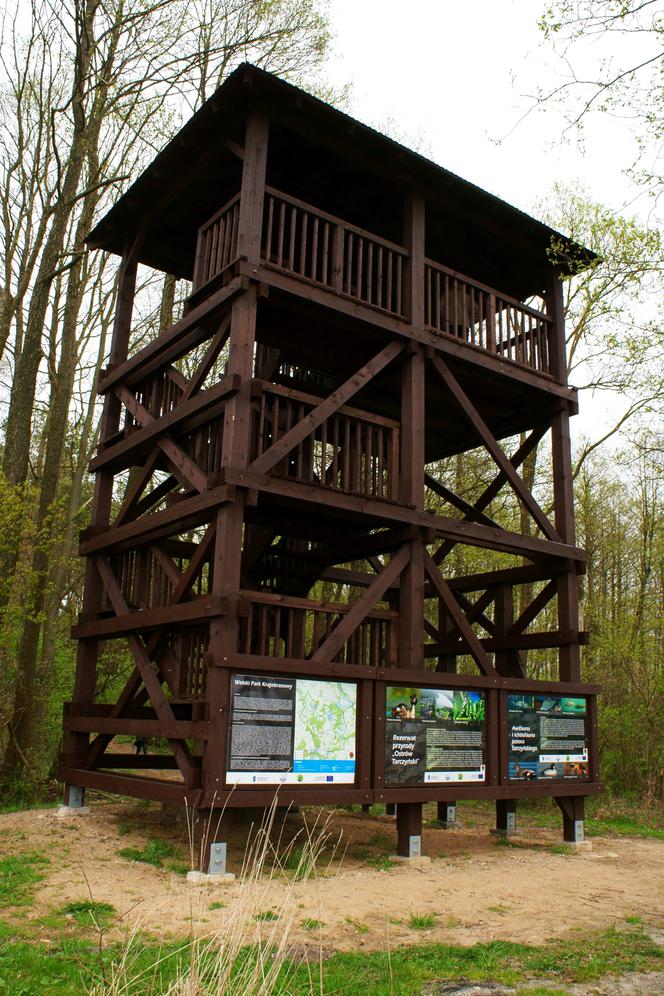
202, 878
420, 859
63, 811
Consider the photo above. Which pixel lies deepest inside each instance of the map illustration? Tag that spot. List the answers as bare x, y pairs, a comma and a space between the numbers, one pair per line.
325, 718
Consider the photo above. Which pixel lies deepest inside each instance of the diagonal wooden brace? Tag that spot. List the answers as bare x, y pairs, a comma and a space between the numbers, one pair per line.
496, 453
272, 456
361, 609
473, 645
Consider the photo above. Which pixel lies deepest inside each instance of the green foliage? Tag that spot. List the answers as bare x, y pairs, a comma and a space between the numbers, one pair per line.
310, 924
422, 921
88, 913
155, 853
19, 874
266, 915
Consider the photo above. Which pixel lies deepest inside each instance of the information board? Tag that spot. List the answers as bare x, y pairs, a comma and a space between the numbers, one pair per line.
547, 738
291, 730
433, 735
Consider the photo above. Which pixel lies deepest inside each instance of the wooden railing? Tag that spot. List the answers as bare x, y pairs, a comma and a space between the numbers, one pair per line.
325, 250
351, 451
159, 394
146, 576
283, 626
328, 252
217, 243
463, 309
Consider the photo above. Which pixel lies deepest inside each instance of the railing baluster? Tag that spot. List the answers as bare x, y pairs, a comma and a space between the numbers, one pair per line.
314, 251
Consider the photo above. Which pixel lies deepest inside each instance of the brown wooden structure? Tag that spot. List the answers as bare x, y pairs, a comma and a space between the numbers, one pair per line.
374, 314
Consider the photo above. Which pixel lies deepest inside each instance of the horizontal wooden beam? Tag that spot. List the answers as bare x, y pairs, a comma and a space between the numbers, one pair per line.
203, 607
137, 762
178, 518
445, 345
180, 729
379, 512
517, 641
180, 338
137, 786
185, 417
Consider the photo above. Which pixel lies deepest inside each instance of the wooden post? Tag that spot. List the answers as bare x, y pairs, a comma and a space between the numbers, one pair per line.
77, 744
572, 808
505, 817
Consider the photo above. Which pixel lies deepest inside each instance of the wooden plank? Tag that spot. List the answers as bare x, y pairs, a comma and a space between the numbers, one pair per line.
182, 337
496, 453
360, 610
379, 511
183, 515
471, 513
180, 460
474, 647
196, 610
173, 729
140, 787
310, 422
533, 610
517, 641
498, 482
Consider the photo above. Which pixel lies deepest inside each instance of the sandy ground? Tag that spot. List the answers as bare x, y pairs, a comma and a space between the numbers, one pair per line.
477, 890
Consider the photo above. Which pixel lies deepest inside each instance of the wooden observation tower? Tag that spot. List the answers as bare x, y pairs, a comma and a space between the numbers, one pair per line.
358, 317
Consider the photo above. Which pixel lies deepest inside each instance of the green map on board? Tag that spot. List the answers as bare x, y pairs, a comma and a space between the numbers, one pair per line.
325, 719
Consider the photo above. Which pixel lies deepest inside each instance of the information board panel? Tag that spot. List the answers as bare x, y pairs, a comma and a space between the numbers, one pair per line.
548, 738
291, 731
433, 735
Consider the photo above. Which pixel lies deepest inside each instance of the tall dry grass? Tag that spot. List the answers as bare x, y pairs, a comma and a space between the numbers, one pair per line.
248, 955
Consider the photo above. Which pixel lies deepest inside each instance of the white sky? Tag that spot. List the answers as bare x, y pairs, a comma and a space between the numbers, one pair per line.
450, 78
440, 72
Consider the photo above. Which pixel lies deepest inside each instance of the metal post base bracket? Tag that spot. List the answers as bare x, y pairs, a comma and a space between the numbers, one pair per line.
414, 852
216, 868
75, 802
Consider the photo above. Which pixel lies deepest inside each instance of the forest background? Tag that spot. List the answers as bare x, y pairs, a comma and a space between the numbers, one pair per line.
89, 91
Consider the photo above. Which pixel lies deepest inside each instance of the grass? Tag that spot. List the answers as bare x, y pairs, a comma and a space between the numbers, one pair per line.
88, 913
561, 849
69, 967
158, 853
422, 921
19, 874
310, 924
267, 915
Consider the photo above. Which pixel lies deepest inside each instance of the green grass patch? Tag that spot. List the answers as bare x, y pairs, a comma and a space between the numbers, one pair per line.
216, 906
89, 913
266, 915
422, 921
623, 826
19, 874
71, 966
310, 924
154, 853
561, 849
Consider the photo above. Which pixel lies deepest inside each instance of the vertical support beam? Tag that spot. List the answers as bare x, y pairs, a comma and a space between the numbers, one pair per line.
227, 557
77, 744
507, 662
567, 584
555, 308
505, 817
413, 240
252, 190
409, 829
446, 662
573, 808
411, 492
447, 815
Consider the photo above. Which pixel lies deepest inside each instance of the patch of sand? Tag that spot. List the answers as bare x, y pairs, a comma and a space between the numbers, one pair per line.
476, 889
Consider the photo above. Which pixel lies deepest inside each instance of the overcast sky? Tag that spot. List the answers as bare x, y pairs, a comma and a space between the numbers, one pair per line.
451, 78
